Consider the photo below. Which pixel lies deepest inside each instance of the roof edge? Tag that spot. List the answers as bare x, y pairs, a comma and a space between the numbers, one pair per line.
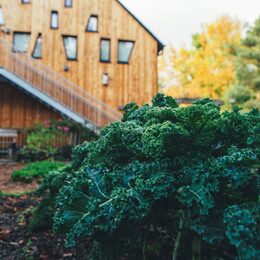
160, 44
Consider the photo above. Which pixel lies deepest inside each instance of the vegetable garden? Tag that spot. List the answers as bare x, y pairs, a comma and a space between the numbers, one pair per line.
165, 183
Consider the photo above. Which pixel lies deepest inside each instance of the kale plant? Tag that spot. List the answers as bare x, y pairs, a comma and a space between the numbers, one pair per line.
167, 183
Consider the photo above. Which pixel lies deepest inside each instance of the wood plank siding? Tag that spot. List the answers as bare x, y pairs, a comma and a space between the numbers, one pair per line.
19, 110
136, 81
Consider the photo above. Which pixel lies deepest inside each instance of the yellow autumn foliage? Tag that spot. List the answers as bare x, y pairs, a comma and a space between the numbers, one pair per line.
208, 68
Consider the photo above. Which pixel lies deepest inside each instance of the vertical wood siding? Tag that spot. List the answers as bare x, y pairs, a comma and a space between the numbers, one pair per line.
18, 110
136, 81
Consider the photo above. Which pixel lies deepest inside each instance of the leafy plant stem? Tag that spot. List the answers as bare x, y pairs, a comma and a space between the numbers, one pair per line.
178, 238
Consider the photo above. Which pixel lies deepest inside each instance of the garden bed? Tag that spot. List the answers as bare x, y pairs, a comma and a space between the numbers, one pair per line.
17, 242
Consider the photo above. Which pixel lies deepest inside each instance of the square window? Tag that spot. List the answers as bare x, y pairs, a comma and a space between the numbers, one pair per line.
2, 21
21, 41
92, 24
54, 20
25, 1
68, 3
105, 46
70, 45
125, 49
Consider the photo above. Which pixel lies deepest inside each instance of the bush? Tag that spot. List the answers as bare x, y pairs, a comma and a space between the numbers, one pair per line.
35, 171
39, 144
166, 183
48, 140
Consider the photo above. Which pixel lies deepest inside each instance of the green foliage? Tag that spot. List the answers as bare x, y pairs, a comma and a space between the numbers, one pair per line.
48, 140
39, 143
65, 125
166, 182
242, 230
247, 90
48, 190
35, 171
160, 100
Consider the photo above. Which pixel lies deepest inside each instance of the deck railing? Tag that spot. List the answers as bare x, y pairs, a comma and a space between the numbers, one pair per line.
57, 87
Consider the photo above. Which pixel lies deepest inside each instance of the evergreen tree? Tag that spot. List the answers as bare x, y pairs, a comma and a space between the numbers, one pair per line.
246, 91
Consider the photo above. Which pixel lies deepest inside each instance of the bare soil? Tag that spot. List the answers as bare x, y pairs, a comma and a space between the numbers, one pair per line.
6, 184
17, 242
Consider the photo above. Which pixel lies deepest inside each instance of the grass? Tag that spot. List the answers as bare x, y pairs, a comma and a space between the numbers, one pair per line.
14, 195
36, 171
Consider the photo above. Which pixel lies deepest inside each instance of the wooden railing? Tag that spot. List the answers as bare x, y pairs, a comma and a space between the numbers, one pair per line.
78, 100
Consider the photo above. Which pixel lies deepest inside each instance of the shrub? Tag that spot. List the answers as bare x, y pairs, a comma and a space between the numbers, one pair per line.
48, 140
36, 170
39, 143
166, 183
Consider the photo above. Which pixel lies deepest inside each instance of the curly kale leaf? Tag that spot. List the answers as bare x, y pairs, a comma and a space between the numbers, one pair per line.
242, 231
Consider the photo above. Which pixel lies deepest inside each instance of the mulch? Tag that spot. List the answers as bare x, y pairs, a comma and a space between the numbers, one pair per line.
17, 242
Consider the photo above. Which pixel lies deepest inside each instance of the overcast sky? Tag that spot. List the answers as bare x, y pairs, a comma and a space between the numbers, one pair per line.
174, 21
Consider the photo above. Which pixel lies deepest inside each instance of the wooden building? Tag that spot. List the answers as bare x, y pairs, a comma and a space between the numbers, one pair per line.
82, 59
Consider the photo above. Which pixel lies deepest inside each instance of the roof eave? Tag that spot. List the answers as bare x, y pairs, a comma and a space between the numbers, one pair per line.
160, 44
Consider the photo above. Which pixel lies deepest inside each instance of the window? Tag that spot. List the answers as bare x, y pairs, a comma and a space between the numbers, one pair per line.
92, 24
68, 3
105, 50
125, 49
54, 20
21, 41
70, 45
37, 52
2, 21
25, 1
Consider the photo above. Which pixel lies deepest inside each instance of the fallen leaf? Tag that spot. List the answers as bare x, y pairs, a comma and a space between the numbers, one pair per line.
4, 233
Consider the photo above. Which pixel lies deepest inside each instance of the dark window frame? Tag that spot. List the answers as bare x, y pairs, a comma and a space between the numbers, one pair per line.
100, 50
68, 6
64, 46
20, 32
130, 55
91, 31
35, 45
54, 28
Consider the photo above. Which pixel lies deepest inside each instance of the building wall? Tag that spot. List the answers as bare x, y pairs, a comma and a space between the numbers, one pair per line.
19, 110
136, 81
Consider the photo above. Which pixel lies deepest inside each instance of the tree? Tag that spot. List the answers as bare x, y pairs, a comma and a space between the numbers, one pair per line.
166, 183
208, 68
246, 90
